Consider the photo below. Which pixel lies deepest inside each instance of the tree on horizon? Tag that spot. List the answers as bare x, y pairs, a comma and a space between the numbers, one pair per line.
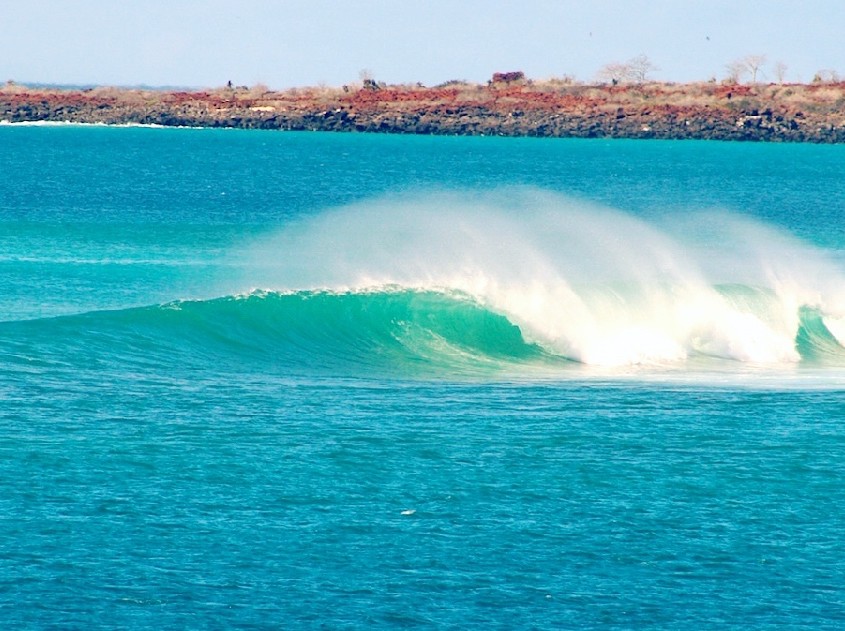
635, 70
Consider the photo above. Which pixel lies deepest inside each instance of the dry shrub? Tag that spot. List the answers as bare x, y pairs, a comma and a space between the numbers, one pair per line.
827, 93
454, 83
595, 92
107, 92
257, 91
555, 85
407, 87
472, 92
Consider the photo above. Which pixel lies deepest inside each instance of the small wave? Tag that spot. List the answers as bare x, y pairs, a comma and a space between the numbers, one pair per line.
99, 261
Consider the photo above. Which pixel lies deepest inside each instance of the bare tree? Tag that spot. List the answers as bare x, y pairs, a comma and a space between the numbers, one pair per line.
754, 64
614, 72
736, 71
826, 76
635, 70
751, 65
640, 67
780, 71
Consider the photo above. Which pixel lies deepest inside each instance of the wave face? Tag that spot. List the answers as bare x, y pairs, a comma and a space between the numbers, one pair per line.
400, 332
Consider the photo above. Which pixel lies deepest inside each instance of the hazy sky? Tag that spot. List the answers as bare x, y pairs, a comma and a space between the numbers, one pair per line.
284, 43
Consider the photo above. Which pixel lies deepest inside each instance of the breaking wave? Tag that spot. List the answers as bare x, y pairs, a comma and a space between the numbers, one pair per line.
520, 282
593, 285
393, 331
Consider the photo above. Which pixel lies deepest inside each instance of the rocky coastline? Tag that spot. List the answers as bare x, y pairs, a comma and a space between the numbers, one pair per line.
711, 111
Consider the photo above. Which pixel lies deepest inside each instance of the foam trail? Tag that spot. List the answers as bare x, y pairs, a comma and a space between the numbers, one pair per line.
590, 283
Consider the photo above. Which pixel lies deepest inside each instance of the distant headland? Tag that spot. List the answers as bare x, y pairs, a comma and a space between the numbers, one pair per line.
507, 105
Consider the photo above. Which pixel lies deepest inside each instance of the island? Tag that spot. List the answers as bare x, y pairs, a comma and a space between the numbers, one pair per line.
507, 105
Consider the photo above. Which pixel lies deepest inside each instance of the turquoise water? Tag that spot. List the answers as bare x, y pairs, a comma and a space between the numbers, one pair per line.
263, 380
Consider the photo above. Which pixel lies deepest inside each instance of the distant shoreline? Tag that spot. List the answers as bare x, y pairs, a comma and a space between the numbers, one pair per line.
70, 123
708, 111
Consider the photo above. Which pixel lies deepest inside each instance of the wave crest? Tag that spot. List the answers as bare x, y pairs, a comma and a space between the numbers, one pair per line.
592, 284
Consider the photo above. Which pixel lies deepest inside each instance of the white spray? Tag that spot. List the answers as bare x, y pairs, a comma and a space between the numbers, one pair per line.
593, 284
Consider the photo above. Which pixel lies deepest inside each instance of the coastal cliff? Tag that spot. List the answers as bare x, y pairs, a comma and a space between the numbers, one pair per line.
773, 112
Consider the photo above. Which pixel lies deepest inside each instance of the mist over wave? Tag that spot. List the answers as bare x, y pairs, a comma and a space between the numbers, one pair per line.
589, 283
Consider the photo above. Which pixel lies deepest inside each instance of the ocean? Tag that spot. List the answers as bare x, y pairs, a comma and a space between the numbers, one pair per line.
255, 379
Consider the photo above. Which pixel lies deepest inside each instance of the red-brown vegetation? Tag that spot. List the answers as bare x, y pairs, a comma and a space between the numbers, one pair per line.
511, 107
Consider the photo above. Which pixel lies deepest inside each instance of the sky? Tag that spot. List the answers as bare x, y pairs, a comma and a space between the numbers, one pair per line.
288, 43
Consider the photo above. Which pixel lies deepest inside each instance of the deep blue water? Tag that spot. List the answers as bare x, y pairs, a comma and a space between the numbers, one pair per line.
264, 380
